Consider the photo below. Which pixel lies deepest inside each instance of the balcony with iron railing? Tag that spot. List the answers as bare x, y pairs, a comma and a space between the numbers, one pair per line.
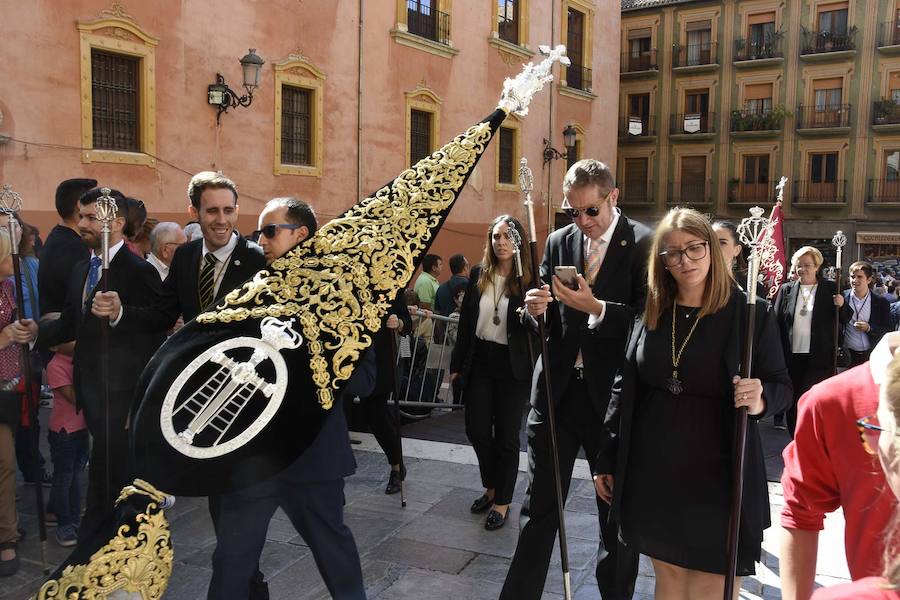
889, 37
433, 25
819, 193
695, 57
754, 50
692, 125
885, 115
823, 120
637, 194
578, 77
637, 129
689, 193
755, 194
638, 63
884, 192
757, 122
827, 45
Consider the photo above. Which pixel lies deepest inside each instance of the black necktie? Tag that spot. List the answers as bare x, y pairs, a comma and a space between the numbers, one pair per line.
206, 283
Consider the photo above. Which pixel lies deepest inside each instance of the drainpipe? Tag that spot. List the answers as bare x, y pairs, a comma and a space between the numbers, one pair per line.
549, 165
359, 103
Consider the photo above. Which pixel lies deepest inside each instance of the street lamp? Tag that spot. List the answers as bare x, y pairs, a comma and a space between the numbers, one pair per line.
222, 96
551, 153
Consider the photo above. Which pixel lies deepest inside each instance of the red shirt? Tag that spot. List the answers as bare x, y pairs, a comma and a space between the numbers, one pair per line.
825, 467
864, 589
63, 415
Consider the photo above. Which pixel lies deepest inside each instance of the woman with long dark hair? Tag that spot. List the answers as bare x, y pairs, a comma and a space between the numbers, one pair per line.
665, 459
491, 357
805, 309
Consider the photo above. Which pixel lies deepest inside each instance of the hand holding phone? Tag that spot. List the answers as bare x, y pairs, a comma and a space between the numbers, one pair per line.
568, 275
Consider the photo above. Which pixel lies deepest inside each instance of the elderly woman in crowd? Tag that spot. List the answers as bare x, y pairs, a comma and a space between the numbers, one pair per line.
665, 458
491, 358
806, 309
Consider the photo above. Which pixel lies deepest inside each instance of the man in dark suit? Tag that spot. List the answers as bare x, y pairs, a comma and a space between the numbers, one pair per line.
865, 315
130, 347
311, 490
588, 329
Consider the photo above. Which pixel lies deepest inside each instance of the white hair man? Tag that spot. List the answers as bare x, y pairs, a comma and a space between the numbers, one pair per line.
165, 238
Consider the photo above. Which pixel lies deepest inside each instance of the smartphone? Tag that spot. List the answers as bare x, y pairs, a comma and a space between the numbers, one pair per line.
568, 275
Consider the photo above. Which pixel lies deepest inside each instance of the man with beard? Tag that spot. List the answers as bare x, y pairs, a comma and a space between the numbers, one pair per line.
86, 313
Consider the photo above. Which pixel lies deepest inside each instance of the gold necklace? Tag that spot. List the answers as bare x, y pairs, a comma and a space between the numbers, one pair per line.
675, 385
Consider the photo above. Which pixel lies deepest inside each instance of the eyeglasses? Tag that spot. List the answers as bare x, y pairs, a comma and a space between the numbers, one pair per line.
869, 431
591, 211
272, 228
673, 258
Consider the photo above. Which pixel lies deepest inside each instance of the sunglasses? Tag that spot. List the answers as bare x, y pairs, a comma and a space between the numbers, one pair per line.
591, 211
869, 432
272, 228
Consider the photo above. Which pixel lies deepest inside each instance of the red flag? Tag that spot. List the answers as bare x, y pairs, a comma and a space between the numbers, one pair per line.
772, 260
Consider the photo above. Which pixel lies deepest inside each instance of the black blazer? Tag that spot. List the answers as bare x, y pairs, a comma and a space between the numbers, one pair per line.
821, 344
180, 296
517, 334
621, 282
63, 250
385, 367
130, 344
880, 320
768, 365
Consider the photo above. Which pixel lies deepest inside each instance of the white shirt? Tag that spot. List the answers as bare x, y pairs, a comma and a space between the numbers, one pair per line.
161, 267
801, 332
861, 311
113, 250
223, 255
485, 329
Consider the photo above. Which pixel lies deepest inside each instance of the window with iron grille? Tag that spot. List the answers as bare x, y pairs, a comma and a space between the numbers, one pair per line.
508, 20
506, 161
296, 125
419, 135
115, 96
575, 73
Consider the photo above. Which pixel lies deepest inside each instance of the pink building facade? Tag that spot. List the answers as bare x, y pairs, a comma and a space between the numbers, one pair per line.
350, 91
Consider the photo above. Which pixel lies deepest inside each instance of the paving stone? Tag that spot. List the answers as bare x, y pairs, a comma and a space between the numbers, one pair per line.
188, 581
450, 474
423, 556
581, 525
417, 584
278, 556
582, 504
460, 534
487, 568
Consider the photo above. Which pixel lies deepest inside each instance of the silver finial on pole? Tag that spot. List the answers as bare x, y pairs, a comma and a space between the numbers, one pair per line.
752, 232
526, 184
106, 214
839, 241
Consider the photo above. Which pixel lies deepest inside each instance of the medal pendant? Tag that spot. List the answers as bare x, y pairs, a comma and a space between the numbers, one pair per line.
803, 311
675, 386
496, 318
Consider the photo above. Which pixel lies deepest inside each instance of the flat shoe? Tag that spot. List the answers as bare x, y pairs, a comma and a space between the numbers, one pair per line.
394, 479
494, 521
481, 504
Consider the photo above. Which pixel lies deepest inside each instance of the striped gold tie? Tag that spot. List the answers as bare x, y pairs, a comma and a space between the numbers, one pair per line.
206, 284
593, 262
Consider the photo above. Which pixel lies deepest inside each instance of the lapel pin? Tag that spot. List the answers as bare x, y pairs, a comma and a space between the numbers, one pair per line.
623, 243
237, 263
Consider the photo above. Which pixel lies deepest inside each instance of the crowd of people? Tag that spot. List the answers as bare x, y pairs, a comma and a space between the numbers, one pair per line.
643, 342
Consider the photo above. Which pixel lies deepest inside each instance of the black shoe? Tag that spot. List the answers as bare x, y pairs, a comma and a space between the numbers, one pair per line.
495, 521
394, 479
482, 504
10, 567
259, 589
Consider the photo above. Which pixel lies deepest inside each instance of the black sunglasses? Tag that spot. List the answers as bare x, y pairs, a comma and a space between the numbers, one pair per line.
272, 228
591, 211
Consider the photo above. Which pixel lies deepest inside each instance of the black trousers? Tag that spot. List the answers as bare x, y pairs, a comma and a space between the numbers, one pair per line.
494, 403
577, 426
803, 377
383, 425
316, 510
112, 452
858, 357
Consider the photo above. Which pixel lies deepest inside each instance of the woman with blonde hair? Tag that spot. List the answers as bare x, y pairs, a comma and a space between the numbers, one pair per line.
805, 310
665, 459
491, 358
10, 413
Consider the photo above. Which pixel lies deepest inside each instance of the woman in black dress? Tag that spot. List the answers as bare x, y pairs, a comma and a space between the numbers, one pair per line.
491, 357
668, 437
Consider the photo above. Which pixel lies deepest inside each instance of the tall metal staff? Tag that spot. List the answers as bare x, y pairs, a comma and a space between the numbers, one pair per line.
526, 182
10, 204
752, 231
106, 214
838, 241
516, 240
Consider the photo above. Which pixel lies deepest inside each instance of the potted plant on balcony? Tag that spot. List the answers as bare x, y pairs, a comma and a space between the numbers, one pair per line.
774, 119
882, 109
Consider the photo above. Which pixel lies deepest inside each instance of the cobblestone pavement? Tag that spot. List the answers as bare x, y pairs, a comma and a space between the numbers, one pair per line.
433, 548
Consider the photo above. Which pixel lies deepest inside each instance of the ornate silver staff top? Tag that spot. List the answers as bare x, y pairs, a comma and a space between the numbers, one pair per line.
839, 241
780, 187
106, 213
752, 231
10, 205
526, 184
